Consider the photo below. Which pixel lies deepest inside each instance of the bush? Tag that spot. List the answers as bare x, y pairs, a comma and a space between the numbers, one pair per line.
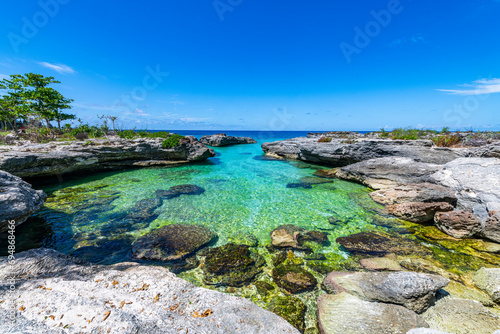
447, 140
159, 134
126, 134
325, 140
82, 136
172, 141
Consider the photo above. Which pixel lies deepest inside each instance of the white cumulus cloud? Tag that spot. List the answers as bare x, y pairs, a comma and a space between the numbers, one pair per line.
478, 87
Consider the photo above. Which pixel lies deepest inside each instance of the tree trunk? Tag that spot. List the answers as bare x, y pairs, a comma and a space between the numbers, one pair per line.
59, 124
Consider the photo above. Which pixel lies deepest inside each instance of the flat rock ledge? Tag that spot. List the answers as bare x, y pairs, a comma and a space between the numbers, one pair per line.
55, 293
18, 200
221, 139
58, 158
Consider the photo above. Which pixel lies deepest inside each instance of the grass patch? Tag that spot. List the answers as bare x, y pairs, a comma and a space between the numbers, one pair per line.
447, 140
325, 140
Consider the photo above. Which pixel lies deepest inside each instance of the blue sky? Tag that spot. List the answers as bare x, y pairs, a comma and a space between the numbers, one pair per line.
264, 65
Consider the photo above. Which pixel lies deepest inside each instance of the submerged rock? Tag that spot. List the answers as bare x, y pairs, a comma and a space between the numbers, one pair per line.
231, 265
294, 278
92, 299
388, 262
172, 242
415, 291
488, 280
314, 180
299, 185
418, 212
347, 314
176, 191
414, 192
144, 210
461, 316
291, 309
221, 139
458, 224
18, 200
293, 236
375, 243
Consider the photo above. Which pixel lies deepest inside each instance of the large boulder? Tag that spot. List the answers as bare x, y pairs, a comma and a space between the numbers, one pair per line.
461, 316
458, 224
222, 139
418, 212
476, 183
18, 200
55, 293
414, 192
376, 243
388, 172
488, 280
347, 314
172, 242
59, 158
415, 291
341, 152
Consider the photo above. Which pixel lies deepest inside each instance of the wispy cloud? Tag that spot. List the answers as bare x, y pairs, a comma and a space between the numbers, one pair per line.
3, 76
416, 39
478, 87
59, 68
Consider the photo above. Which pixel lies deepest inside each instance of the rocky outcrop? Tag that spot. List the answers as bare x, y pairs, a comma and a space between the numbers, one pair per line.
340, 152
58, 294
458, 224
414, 192
18, 200
173, 242
221, 139
347, 314
388, 172
58, 158
488, 280
415, 291
418, 212
461, 316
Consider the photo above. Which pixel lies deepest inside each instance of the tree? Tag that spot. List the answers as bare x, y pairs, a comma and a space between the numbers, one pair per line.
13, 105
40, 94
56, 104
113, 119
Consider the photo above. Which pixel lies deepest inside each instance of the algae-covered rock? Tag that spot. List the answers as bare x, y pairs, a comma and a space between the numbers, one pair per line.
176, 191
388, 262
377, 243
488, 280
172, 242
291, 309
414, 291
263, 288
241, 238
299, 185
294, 278
232, 265
461, 316
459, 290
314, 180
144, 210
347, 314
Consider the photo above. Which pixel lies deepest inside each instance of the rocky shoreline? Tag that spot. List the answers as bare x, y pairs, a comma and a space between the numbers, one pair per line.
221, 139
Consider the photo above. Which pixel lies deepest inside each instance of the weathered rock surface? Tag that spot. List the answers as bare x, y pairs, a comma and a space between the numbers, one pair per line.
347, 314
418, 212
488, 280
425, 331
18, 200
338, 152
414, 192
415, 291
172, 242
476, 182
222, 139
58, 158
58, 294
374, 243
291, 236
458, 224
492, 227
461, 316
388, 172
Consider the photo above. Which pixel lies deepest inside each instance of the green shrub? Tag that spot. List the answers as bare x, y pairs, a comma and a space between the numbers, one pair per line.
172, 141
411, 134
447, 140
325, 140
126, 134
384, 134
159, 134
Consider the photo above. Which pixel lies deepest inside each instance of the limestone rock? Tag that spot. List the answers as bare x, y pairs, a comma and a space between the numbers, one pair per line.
458, 224
488, 280
414, 192
18, 200
347, 314
388, 262
222, 139
56, 289
418, 212
415, 291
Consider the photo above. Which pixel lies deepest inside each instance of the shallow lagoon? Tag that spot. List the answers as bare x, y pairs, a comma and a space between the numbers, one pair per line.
246, 196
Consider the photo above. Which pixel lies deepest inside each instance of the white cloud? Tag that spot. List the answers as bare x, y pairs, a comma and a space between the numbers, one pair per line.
59, 68
478, 87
